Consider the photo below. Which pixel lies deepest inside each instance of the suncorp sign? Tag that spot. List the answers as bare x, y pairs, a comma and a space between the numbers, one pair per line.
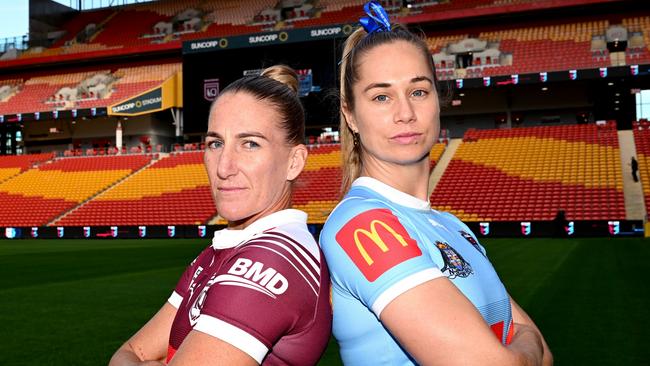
323, 32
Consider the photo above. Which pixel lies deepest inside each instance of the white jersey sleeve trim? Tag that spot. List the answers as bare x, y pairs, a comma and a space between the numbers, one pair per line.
402, 286
233, 335
175, 299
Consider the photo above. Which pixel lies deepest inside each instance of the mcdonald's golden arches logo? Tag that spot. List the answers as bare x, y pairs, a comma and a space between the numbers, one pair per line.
376, 241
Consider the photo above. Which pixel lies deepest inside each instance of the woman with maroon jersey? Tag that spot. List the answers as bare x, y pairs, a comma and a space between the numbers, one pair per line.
260, 293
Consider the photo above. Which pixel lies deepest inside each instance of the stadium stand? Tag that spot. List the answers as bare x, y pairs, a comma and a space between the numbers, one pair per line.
173, 190
532, 173
39, 195
554, 47
11, 165
641, 131
84, 89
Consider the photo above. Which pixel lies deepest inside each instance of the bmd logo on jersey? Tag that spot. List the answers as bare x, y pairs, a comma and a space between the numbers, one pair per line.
252, 275
376, 241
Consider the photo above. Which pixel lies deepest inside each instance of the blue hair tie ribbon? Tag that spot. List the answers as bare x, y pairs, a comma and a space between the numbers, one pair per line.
377, 19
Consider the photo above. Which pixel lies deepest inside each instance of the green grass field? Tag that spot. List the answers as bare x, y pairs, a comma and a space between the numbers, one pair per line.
74, 302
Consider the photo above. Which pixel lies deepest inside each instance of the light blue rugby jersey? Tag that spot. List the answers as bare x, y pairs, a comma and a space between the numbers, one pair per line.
380, 242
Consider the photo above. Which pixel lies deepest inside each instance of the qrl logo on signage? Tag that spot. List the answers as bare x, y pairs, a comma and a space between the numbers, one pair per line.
525, 228
485, 228
60, 231
614, 227
86, 231
142, 231
569, 228
543, 76
253, 275
114, 231
171, 231
201, 231
376, 241
210, 89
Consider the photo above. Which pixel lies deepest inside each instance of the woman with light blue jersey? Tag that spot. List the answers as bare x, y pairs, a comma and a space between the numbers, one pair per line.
410, 285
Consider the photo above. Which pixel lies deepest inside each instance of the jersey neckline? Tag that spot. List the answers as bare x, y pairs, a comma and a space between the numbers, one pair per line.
230, 238
392, 194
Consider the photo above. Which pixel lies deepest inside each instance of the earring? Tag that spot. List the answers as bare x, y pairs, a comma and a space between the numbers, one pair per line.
355, 138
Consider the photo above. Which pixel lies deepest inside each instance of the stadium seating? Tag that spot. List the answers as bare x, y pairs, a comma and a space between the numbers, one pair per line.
173, 190
39, 195
10, 165
531, 173
641, 131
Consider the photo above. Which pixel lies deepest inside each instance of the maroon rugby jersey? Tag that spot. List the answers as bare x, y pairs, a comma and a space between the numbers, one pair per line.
263, 289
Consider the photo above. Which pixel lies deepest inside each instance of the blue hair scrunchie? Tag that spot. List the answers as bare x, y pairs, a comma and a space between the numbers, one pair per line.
377, 19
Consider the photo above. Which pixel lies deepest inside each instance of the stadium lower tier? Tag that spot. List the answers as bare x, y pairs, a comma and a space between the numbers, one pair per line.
188, 207
488, 194
20, 210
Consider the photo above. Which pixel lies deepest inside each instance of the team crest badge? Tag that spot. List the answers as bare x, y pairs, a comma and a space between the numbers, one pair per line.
471, 240
455, 265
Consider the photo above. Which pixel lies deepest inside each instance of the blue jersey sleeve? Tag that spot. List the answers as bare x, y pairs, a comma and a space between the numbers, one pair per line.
373, 253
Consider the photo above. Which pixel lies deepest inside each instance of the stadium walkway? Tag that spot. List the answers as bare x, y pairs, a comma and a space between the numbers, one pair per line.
634, 207
441, 165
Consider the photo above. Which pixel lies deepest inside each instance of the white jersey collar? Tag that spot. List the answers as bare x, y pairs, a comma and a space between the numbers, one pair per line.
392, 194
229, 238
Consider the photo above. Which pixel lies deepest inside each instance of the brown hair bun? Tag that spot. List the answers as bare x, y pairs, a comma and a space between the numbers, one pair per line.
283, 74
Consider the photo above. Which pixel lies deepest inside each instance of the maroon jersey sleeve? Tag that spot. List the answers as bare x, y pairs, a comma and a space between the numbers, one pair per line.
184, 283
268, 289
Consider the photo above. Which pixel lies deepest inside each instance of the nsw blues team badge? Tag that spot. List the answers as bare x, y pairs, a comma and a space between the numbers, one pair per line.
455, 265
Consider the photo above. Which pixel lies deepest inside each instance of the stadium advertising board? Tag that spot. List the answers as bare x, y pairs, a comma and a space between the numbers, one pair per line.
260, 39
109, 232
368, 239
162, 97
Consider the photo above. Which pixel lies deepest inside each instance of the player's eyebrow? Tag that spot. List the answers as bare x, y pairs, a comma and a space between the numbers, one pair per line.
241, 135
416, 79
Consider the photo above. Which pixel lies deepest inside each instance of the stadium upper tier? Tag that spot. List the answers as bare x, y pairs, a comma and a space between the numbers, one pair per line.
93, 89
564, 46
641, 131
174, 190
532, 173
39, 195
164, 25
